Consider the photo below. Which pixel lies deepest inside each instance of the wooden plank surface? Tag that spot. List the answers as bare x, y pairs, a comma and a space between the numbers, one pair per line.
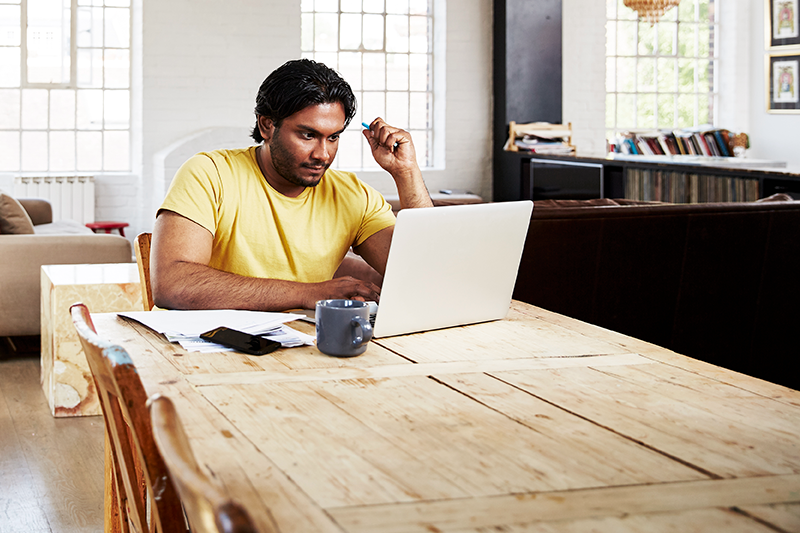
537, 422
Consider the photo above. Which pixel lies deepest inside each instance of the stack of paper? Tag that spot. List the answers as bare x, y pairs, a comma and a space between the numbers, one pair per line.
185, 327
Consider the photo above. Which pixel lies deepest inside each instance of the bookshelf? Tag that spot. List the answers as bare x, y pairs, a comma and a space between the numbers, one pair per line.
666, 179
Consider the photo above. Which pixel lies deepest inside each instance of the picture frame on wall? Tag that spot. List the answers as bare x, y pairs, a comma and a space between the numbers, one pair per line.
783, 26
783, 82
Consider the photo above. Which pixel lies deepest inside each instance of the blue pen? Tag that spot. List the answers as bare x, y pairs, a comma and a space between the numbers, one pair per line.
367, 126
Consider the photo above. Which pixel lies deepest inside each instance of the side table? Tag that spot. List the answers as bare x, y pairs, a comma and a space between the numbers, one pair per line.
105, 288
107, 226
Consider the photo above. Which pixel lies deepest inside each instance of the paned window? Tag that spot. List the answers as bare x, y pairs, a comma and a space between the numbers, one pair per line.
661, 76
385, 50
65, 79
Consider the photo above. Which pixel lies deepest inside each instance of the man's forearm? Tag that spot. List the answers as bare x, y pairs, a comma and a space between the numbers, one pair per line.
411, 190
187, 285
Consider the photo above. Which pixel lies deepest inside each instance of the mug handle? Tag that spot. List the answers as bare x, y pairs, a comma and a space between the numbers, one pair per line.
364, 331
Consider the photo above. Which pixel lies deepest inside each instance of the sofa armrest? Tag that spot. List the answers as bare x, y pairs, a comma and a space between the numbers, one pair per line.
39, 209
21, 259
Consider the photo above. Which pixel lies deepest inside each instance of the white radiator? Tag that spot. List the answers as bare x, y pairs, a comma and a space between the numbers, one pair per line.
72, 197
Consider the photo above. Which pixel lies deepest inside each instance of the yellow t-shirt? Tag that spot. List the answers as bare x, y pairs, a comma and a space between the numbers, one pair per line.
259, 232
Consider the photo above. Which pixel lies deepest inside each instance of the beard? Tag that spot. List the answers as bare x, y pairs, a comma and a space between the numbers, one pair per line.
287, 166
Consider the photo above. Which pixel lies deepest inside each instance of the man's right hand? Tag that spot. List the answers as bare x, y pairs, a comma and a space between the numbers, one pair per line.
346, 288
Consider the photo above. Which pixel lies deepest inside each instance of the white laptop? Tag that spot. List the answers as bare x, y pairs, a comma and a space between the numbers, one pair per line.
451, 266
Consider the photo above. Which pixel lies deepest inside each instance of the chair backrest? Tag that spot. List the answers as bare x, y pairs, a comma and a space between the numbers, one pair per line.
207, 507
142, 249
139, 473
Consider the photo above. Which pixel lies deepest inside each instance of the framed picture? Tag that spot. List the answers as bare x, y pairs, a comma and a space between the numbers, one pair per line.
783, 27
783, 82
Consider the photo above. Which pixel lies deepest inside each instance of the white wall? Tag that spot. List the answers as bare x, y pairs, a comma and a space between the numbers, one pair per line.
202, 64
742, 86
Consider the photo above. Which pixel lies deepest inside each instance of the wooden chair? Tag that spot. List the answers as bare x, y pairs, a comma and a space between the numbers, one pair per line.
208, 509
141, 493
142, 248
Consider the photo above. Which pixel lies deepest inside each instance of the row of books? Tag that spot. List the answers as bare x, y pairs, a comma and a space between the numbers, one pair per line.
710, 143
680, 187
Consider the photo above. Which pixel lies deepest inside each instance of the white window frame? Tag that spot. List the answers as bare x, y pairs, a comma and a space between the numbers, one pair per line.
429, 145
50, 132
618, 14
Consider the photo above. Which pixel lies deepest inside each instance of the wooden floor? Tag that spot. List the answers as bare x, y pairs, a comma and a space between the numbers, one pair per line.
51, 470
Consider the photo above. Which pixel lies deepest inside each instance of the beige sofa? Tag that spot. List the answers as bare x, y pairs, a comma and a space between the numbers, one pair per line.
52, 243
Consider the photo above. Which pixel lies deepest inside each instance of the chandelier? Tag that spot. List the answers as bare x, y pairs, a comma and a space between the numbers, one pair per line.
650, 10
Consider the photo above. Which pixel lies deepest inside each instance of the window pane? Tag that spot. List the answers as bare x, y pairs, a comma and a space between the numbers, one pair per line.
611, 38
626, 74
350, 69
704, 76
118, 3
422, 146
9, 150
399, 7
420, 111
9, 67
117, 66
419, 32
326, 31
626, 108
48, 41
90, 150
62, 150
646, 116
373, 105
330, 6
374, 72
396, 33
117, 110
611, 110
704, 37
351, 6
626, 38
419, 72
397, 72
647, 39
685, 110
349, 155
307, 32
666, 111
419, 7
34, 150
397, 109
62, 109
646, 74
34, 109
10, 34
666, 75
667, 32
350, 38
373, 6
90, 27
90, 109
117, 28
686, 75
705, 109
116, 153
90, 67
373, 32
9, 108
686, 40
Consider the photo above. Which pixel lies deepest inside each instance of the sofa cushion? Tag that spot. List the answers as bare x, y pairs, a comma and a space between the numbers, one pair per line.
62, 227
13, 217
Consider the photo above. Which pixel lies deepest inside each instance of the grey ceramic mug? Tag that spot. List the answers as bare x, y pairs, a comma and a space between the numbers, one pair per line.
343, 328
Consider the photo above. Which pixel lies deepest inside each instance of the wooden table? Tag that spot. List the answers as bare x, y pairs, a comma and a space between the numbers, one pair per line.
534, 423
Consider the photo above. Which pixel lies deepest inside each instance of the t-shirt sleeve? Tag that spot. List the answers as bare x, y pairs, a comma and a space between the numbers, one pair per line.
377, 215
196, 192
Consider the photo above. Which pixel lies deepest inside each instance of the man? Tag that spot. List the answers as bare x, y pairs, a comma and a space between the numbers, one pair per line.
267, 227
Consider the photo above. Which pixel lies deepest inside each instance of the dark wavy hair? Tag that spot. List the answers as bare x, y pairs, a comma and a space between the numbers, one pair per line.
298, 84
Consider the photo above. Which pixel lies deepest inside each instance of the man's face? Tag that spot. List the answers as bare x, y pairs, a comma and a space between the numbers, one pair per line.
305, 144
